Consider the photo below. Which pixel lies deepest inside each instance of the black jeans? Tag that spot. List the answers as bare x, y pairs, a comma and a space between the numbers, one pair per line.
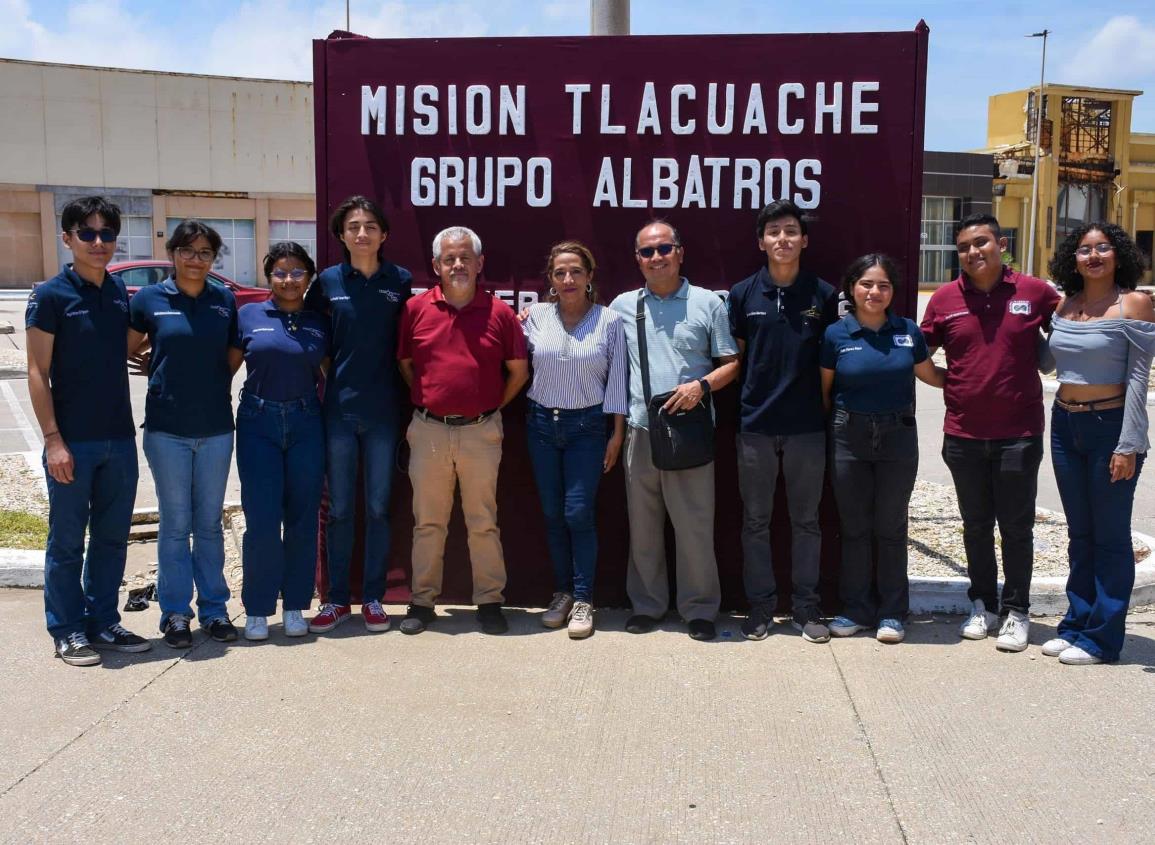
996, 480
874, 461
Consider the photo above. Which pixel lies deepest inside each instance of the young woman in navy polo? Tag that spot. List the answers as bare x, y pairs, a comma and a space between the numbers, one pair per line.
190, 324
281, 442
868, 361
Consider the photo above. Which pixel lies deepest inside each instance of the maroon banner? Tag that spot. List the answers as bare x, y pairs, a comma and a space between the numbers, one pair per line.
532, 140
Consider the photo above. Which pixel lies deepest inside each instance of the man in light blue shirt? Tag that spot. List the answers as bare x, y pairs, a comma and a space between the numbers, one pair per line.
687, 332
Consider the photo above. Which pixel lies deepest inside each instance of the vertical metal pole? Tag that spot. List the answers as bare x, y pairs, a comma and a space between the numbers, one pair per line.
347, 27
609, 17
1030, 268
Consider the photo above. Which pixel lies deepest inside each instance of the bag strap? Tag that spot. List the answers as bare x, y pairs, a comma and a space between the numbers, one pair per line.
641, 321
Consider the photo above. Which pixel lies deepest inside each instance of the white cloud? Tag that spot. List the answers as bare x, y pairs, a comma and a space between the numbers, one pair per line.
1120, 55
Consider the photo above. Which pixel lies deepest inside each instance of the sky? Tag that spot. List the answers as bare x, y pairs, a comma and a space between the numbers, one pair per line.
976, 49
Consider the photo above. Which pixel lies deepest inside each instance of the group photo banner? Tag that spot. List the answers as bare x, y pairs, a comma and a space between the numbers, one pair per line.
530, 141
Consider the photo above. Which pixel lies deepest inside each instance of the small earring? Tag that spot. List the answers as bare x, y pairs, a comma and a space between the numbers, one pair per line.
552, 292
590, 287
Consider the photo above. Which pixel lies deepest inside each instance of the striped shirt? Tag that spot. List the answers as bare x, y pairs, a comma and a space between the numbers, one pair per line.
684, 333
580, 368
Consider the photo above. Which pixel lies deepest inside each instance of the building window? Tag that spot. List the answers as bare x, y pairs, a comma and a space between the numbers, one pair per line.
303, 232
135, 241
238, 256
1012, 236
938, 258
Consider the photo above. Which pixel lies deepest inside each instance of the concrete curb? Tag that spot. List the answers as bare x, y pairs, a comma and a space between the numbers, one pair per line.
21, 567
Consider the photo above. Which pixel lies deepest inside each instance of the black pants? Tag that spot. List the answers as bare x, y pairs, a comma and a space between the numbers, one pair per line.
874, 462
996, 480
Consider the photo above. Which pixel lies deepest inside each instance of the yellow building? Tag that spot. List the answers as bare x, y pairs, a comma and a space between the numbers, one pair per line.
1091, 167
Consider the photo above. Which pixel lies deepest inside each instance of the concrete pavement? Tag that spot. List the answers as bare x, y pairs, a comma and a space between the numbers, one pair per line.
452, 736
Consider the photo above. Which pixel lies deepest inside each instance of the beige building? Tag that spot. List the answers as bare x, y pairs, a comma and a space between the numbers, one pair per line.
1091, 167
237, 153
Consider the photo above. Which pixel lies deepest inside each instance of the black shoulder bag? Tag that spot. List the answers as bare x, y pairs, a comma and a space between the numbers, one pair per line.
679, 440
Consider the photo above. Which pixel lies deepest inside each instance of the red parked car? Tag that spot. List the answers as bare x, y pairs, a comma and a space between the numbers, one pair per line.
137, 274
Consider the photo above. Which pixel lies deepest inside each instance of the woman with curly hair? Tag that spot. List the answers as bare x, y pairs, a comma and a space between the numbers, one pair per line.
1103, 341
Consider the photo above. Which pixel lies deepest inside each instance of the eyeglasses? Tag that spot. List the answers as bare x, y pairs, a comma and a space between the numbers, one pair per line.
1099, 249
188, 253
87, 234
559, 274
660, 249
297, 275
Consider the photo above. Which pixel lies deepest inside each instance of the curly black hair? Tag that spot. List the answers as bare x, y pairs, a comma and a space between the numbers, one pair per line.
1130, 263
288, 249
859, 266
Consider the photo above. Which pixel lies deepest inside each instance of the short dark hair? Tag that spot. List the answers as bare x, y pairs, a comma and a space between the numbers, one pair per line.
355, 202
288, 249
659, 221
776, 211
80, 209
1130, 263
188, 231
979, 218
860, 265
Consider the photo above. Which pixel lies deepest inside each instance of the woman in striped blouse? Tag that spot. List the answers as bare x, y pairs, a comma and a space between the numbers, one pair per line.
579, 376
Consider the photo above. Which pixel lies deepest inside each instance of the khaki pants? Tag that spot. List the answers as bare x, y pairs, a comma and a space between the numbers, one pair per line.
441, 457
688, 496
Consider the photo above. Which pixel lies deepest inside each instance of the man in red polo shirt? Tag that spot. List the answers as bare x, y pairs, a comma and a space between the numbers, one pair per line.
988, 320
463, 354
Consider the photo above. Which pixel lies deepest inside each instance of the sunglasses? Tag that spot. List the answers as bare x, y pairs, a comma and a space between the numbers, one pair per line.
297, 275
660, 249
88, 234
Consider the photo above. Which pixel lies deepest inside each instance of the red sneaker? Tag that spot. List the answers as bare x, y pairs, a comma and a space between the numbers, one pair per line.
329, 617
376, 619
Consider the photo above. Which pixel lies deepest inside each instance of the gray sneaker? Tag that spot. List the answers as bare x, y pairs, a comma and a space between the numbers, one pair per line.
581, 620
812, 628
558, 611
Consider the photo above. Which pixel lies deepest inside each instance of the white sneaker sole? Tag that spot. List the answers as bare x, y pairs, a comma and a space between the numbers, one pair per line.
847, 632
256, 636
890, 637
1010, 645
297, 632
378, 627
1055, 651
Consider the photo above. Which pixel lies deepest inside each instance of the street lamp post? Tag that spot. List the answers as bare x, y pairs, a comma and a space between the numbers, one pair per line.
1030, 268
609, 17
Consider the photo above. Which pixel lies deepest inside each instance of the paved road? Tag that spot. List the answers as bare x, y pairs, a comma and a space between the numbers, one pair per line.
455, 737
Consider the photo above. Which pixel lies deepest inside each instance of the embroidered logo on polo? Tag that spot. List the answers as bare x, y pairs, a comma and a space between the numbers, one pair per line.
1020, 306
846, 349
122, 304
903, 340
314, 332
222, 310
81, 313
263, 330
168, 313
755, 313
339, 298
391, 295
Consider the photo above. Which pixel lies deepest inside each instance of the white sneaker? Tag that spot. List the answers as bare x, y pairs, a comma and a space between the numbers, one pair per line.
1075, 656
581, 620
890, 631
558, 611
979, 623
1015, 632
295, 623
256, 628
1055, 647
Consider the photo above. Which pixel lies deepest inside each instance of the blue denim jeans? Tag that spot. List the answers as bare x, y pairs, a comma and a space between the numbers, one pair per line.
80, 590
281, 462
566, 448
874, 464
375, 445
190, 475
1098, 528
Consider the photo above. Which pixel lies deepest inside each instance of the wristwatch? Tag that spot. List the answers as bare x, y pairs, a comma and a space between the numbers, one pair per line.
705, 386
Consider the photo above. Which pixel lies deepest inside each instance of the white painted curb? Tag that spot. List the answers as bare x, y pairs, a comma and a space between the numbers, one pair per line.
21, 568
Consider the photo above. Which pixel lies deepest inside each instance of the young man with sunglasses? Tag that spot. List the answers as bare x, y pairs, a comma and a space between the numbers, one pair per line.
690, 352
77, 339
778, 317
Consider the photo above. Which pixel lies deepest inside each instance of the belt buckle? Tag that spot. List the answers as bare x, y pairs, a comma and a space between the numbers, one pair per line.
454, 419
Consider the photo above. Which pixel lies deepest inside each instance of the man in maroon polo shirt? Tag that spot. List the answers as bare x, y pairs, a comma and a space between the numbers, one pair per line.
988, 320
462, 353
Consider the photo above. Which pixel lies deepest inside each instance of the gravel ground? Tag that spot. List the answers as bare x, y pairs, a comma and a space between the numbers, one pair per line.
20, 487
13, 362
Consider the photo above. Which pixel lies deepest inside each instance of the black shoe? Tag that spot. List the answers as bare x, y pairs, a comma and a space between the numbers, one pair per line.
491, 619
176, 632
118, 638
813, 629
757, 625
417, 619
76, 651
640, 624
221, 630
702, 629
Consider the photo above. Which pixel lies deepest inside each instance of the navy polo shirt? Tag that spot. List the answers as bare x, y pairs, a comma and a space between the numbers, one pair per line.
363, 378
189, 382
283, 350
88, 374
873, 370
782, 328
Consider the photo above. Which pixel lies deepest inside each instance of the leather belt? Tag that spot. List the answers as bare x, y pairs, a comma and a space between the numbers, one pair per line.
455, 419
1092, 405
